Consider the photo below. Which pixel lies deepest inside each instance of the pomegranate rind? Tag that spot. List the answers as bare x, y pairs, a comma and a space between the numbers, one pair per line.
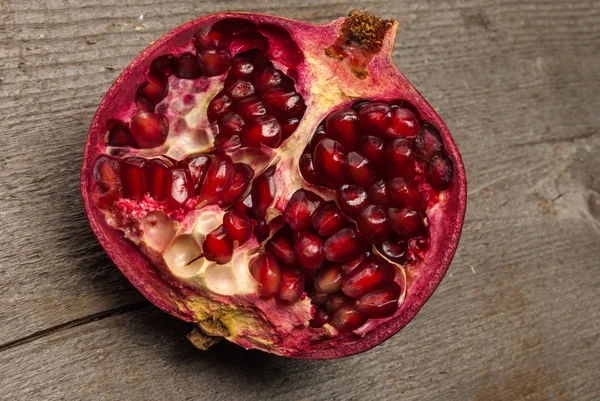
250, 327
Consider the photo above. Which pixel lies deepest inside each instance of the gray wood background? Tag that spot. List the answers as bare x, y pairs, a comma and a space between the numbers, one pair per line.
516, 318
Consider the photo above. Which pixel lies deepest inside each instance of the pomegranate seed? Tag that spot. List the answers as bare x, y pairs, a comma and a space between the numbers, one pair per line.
346, 318
237, 225
373, 223
248, 41
288, 127
329, 280
244, 205
179, 187
360, 104
154, 89
375, 118
156, 177
371, 147
265, 130
329, 161
268, 78
370, 275
401, 162
284, 103
394, 249
240, 89
403, 124
309, 250
403, 194
119, 135
250, 108
241, 179
220, 105
241, 67
280, 246
318, 136
428, 141
162, 65
292, 286
149, 129
228, 143
213, 62
405, 104
342, 126
266, 271
107, 173
406, 222
307, 169
211, 38
417, 245
185, 66
359, 170
441, 170
301, 207
261, 230
378, 194
322, 317
318, 298
335, 301
218, 246
379, 303
197, 166
328, 220
263, 192
217, 181
232, 124
352, 199
353, 264
344, 246
133, 177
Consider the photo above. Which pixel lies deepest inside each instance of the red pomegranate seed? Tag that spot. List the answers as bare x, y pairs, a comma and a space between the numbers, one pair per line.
353, 264
133, 177
373, 223
185, 66
156, 177
228, 143
268, 78
217, 181
237, 225
241, 179
352, 199
371, 147
162, 65
154, 89
307, 169
370, 275
375, 118
309, 250
263, 192
281, 247
335, 301
400, 158
329, 279
240, 89
250, 108
301, 207
107, 171
212, 38
264, 130
318, 136
284, 103
403, 124
220, 105
292, 286
241, 67
378, 194
244, 205
322, 317
232, 124
346, 318
213, 62
344, 246
342, 126
288, 127
329, 161
179, 187
149, 129
218, 246
360, 104
261, 230
359, 170
248, 41
441, 170
120, 135
379, 303
197, 166
428, 142
329, 220
394, 249
265, 270
406, 222
318, 298
403, 194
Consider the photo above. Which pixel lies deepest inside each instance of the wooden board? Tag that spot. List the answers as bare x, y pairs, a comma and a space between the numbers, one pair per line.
516, 318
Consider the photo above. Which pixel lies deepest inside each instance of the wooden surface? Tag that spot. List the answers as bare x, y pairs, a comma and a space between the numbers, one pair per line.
516, 318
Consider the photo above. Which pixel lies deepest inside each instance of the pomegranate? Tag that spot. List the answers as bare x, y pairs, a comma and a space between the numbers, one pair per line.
277, 183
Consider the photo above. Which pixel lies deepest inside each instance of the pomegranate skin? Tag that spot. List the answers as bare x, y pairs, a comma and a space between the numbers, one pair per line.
383, 83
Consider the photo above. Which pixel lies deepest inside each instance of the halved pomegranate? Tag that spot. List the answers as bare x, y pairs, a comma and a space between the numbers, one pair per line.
276, 183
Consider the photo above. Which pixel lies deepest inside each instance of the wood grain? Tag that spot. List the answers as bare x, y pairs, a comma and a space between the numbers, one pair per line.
516, 318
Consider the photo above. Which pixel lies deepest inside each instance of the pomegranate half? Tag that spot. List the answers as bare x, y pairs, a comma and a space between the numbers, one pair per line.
276, 183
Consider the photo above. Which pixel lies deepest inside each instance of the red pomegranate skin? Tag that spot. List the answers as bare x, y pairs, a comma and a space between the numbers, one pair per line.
380, 81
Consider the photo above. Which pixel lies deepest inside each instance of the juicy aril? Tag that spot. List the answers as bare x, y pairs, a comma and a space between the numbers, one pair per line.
277, 183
